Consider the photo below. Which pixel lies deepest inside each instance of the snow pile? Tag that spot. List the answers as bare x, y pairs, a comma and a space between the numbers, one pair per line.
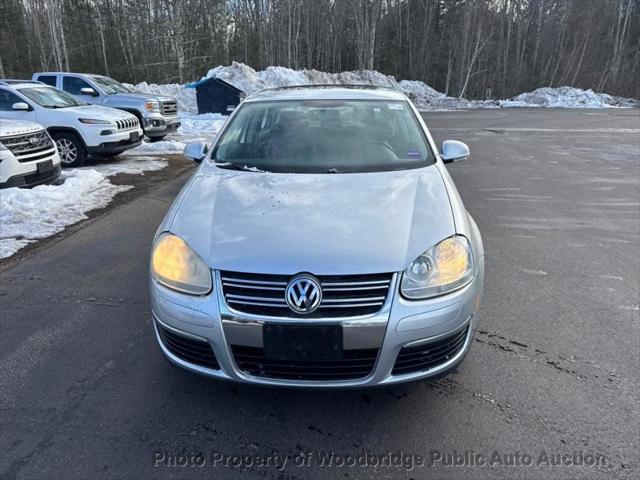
27, 215
186, 97
567, 97
250, 81
193, 128
424, 96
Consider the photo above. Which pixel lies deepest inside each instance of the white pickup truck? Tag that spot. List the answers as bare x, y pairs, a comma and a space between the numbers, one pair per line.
28, 156
78, 128
158, 115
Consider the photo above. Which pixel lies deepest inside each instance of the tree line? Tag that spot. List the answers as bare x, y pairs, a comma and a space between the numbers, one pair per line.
466, 48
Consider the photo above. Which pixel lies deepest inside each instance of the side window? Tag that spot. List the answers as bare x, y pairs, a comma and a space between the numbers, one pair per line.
73, 85
7, 99
48, 79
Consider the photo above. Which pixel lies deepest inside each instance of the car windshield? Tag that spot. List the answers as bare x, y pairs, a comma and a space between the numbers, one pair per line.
323, 136
50, 97
109, 85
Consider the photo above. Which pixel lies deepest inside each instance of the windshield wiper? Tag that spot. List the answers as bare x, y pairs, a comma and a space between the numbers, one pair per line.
235, 166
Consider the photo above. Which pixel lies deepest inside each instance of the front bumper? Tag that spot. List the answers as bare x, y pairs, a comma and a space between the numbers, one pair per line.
209, 322
28, 174
115, 144
159, 125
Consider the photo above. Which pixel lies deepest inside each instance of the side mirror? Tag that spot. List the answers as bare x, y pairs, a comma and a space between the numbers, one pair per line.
195, 151
454, 151
88, 91
22, 106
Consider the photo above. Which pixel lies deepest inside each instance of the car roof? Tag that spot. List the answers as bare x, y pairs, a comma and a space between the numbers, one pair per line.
70, 73
327, 92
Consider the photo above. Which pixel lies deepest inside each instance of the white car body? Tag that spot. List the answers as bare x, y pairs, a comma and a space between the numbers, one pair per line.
121, 132
28, 155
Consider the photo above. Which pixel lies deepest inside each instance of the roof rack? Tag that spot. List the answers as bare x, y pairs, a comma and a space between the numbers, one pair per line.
13, 81
324, 85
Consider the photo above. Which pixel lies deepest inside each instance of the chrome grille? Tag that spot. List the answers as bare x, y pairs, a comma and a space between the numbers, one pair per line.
128, 123
342, 296
30, 147
169, 108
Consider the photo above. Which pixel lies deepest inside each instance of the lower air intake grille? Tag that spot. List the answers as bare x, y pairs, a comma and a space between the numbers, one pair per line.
342, 295
189, 349
425, 357
355, 364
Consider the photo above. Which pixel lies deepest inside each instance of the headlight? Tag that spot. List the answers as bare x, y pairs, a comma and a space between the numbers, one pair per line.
94, 121
176, 266
152, 106
443, 268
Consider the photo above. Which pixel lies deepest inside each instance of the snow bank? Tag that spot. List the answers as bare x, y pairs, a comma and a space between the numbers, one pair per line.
250, 81
27, 215
567, 97
186, 97
424, 96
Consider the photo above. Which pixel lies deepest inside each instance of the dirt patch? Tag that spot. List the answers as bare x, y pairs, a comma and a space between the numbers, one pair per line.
177, 166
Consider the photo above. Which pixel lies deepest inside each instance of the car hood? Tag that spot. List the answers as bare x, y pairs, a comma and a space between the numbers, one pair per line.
136, 98
324, 224
96, 112
17, 127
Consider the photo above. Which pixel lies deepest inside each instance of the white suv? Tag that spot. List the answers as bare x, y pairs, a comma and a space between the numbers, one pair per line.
79, 129
28, 156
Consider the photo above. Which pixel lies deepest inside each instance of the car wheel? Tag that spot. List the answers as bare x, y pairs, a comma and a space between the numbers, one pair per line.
156, 139
71, 149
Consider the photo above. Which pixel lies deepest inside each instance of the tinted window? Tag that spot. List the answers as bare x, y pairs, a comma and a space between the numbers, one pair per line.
7, 99
73, 85
324, 136
48, 79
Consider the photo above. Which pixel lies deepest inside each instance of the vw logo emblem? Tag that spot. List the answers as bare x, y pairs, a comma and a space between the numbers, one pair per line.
303, 294
33, 140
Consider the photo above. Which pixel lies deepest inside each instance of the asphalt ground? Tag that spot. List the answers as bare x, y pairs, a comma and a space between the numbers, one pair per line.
553, 374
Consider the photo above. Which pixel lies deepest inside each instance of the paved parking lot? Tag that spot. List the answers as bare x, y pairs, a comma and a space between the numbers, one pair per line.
85, 393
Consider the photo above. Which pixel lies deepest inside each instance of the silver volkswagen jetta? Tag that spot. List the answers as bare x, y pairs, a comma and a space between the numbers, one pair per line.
320, 243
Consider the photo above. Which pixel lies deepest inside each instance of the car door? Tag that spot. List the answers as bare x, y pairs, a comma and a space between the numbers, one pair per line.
7, 100
73, 85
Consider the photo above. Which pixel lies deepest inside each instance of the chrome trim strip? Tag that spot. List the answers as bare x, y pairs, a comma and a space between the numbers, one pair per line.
252, 282
354, 300
180, 332
417, 343
382, 283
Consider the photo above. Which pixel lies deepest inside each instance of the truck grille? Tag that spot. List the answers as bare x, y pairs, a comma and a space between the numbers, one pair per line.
30, 147
129, 123
355, 364
169, 108
425, 357
342, 296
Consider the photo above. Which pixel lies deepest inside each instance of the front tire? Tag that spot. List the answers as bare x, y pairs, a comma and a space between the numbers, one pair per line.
71, 149
156, 139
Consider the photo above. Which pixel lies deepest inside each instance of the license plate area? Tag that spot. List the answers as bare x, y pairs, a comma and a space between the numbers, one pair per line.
44, 167
134, 136
302, 342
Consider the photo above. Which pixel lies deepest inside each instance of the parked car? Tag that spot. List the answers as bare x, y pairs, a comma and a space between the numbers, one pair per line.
79, 129
320, 243
28, 155
158, 115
